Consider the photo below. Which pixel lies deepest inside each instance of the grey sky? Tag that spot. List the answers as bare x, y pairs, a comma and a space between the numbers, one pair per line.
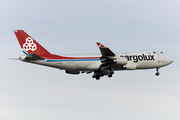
35, 92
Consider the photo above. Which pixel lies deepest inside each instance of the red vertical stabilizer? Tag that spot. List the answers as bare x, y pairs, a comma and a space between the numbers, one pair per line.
28, 44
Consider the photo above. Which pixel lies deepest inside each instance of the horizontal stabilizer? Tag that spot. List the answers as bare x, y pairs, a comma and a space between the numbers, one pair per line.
30, 57
13, 58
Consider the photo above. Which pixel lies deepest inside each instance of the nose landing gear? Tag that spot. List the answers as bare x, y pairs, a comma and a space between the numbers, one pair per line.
157, 73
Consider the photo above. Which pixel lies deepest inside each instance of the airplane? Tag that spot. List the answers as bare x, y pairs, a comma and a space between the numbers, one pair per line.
101, 65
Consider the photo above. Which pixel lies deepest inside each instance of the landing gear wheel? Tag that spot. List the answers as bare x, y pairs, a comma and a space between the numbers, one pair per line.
97, 77
112, 72
110, 75
157, 74
94, 76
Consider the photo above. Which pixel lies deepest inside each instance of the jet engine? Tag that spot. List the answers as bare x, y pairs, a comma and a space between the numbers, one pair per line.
130, 66
74, 72
120, 61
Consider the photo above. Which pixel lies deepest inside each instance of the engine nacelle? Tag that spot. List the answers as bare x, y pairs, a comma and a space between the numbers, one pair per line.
74, 72
130, 66
121, 61
23, 57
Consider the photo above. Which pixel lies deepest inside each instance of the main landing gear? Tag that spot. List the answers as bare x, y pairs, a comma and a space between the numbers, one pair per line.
98, 74
111, 73
157, 73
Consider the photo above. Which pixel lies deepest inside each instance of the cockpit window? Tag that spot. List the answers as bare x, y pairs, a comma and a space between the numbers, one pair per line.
161, 52
122, 56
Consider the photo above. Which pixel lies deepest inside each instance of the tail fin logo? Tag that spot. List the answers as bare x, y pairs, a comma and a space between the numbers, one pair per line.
29, 45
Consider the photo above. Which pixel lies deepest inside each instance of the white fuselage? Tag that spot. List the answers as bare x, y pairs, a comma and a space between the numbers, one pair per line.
142, 59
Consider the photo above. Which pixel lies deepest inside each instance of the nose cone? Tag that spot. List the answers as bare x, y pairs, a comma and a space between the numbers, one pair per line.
169, 60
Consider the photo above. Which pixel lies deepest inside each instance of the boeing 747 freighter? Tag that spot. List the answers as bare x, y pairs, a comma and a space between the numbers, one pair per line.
104, 64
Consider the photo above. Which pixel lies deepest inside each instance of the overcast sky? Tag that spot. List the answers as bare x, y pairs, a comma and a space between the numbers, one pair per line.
33, 92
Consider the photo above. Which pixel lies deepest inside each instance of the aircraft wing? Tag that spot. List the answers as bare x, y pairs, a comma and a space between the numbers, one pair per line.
106, 58
105, 51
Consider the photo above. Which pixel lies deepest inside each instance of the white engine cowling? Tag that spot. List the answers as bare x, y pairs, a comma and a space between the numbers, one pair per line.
121, 61
132, 66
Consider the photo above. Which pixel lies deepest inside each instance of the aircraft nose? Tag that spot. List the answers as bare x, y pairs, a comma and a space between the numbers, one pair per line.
169, 60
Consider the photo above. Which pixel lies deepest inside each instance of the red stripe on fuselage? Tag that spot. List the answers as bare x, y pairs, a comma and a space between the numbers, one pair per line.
57, 57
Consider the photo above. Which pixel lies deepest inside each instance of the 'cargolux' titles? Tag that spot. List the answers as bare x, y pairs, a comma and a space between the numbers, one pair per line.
137, 58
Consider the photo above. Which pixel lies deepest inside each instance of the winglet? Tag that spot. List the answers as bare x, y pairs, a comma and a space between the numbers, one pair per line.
99, 44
